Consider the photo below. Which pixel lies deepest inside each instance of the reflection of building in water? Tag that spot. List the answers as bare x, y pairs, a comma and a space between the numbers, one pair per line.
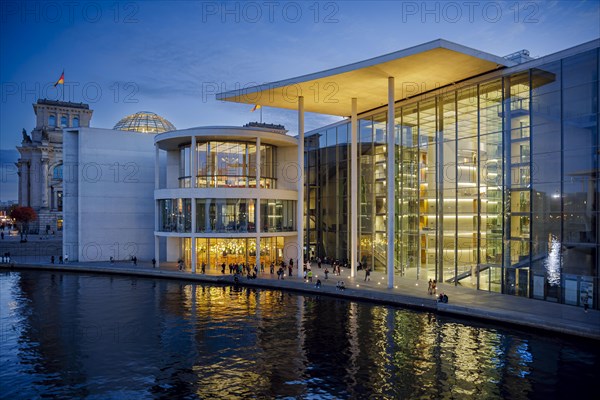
462, 177
176, 339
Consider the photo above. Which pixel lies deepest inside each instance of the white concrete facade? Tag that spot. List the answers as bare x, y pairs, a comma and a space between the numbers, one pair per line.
108, 185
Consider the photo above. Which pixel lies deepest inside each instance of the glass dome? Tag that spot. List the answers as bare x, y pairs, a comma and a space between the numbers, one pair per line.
144, 121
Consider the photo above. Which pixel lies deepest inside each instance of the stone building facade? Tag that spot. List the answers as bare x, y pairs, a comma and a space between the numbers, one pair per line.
40, 166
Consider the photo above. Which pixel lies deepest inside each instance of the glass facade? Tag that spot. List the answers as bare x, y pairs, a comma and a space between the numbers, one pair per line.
225, 215
175, 215
278, 215
496, 184
228, 164
213, 252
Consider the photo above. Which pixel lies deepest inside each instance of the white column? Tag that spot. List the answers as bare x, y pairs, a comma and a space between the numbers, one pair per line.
157, 251
156, 167
45, 182
391, 182
193, 239
193, 184
257, 203
354, 195
300, 203
194, 160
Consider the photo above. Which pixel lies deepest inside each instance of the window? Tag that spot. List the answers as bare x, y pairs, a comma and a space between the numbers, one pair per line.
52, 120
57, 172
63, 121
76, 122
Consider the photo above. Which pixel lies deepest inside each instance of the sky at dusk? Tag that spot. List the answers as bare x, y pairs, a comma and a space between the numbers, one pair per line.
171, 57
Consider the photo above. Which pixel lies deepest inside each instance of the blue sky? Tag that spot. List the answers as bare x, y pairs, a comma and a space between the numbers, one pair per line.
169, 56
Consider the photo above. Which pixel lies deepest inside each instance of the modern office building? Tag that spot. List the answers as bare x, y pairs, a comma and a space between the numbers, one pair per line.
454, 164
108, 184
228, 195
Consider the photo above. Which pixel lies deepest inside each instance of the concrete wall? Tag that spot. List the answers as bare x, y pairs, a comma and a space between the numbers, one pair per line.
112, 195
290, 248
287, 168
172, 173
71, 194
173, 248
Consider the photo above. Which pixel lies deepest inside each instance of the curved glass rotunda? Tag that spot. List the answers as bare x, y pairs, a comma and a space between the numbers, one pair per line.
145, 122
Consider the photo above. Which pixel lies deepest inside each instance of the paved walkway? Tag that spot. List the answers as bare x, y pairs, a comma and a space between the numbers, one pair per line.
463, 302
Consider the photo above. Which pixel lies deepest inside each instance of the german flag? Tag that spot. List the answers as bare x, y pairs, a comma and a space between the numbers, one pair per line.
61, 80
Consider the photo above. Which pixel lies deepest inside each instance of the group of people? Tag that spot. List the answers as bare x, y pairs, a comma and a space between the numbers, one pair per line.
61, 260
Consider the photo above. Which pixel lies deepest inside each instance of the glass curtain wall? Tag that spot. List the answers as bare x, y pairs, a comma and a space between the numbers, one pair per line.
175, 215
230, 164
497, 184
216, 251
327, 187
225, 215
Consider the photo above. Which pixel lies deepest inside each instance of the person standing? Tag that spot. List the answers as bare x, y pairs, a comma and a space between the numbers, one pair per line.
203, 268
290, 269
367, 274
153, 262
429, 287
434, 287
52, 260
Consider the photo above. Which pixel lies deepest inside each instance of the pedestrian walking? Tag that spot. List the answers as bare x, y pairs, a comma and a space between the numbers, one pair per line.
326, 272
134, 260
2, 234
52, 260
60, 259
367, 274
434, 287
203, 268
310, 275
153, 262
429, 287
584, 299
290, 269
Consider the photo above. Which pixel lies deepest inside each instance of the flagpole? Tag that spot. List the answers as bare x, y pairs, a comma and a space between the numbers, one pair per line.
261, 115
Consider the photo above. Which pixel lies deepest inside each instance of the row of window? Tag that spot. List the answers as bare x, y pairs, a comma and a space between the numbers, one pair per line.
228, 164
226, 215
64, 121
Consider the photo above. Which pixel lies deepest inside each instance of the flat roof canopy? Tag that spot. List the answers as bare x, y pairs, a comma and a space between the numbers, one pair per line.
416, 70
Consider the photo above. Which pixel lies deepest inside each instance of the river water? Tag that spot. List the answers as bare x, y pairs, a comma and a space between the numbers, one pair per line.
66, 335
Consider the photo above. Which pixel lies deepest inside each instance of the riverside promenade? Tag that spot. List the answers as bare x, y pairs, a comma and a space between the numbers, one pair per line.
516, 312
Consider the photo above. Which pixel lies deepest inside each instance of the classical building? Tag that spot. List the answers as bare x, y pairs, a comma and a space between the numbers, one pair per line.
40, 166
229, 195
454, 164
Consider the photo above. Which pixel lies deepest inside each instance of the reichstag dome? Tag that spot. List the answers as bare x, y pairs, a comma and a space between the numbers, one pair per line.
145, 122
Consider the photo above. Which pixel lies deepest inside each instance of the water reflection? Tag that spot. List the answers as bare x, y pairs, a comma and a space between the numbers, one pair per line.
70, 335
